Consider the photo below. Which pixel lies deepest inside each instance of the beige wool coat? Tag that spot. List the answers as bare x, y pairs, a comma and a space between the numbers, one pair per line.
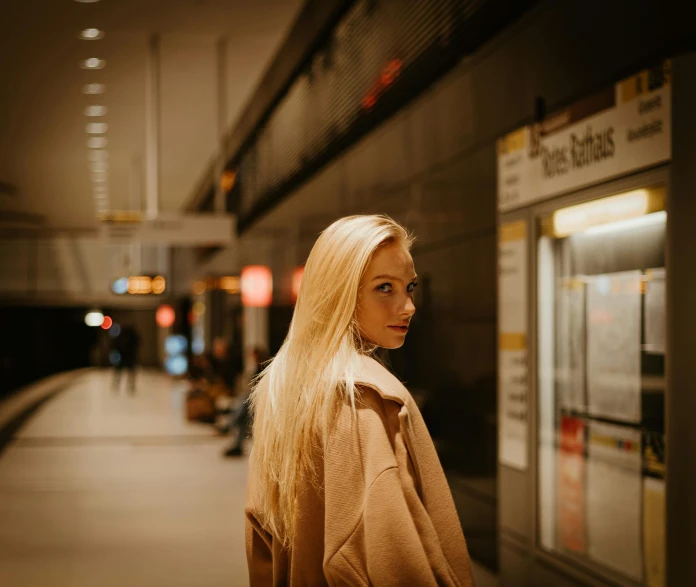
384, 515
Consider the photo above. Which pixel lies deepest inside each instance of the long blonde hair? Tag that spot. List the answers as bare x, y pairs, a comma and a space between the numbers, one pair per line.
296, 397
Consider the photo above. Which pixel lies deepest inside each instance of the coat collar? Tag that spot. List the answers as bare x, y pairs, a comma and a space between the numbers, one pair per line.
376, 376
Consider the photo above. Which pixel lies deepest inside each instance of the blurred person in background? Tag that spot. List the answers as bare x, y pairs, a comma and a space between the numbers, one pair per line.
124, 352
240, 421
345, 485
225, 363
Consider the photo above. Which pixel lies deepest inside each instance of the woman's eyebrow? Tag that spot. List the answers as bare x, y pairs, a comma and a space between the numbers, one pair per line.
392, 277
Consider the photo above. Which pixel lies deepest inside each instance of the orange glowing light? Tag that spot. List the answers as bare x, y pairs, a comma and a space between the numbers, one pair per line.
257, 286
165, 316
159, 284
228, 180
108, 323
229, 283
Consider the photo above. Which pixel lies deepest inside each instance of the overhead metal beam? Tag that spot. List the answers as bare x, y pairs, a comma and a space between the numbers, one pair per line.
315, 21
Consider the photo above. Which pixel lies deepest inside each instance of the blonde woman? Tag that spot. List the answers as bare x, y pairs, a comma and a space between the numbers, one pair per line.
345, 486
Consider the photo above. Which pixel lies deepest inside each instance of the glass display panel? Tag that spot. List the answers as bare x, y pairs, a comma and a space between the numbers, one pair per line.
601, 391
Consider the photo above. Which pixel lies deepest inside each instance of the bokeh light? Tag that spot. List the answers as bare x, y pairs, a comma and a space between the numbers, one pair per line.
94, 319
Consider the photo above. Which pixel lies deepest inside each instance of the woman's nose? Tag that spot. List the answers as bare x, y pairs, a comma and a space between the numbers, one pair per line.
409, 308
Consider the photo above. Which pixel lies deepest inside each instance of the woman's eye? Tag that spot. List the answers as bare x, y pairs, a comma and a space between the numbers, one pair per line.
411, 286
384, 288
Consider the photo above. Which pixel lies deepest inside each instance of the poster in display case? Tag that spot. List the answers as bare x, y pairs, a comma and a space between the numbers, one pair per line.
614, 346
601, 387
570, 345
571, 485
655, 319
614, 498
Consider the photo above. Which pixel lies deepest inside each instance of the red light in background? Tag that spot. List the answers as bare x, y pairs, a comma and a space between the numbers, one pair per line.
296, 282
257, 286
165, 316
386, 78
390, 72
369, 101
108, 323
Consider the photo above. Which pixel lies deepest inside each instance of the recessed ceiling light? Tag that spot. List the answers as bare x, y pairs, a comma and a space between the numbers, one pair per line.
92, 34
94, 89
95, 110
97, 142
97, 128
100, 166
98, 155
93, 63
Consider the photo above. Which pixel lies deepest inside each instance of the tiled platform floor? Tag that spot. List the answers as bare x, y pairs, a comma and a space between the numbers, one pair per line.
105, 489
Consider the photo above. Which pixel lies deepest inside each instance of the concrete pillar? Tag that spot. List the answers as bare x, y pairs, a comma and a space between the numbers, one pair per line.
220, 194
255, 333
152, 128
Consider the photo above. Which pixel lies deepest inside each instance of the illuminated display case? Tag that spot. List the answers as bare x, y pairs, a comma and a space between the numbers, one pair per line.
601, 383
583, 394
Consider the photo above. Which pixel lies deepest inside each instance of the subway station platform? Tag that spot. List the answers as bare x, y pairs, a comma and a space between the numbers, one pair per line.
108, 489
105, 488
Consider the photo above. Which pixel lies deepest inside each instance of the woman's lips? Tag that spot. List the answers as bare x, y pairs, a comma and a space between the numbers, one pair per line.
401, 329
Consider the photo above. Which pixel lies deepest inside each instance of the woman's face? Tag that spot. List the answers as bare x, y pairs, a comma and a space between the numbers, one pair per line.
385, 299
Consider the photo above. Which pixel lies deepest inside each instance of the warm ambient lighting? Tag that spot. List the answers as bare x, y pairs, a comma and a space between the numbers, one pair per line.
158, 285
92, 34
165, 316
100, 166
94, 89
97, 128
230, 284
257, 286
625, 206
93, 63
144, 285
98, 156
630, 224
228, 180
97, 142
95, 111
